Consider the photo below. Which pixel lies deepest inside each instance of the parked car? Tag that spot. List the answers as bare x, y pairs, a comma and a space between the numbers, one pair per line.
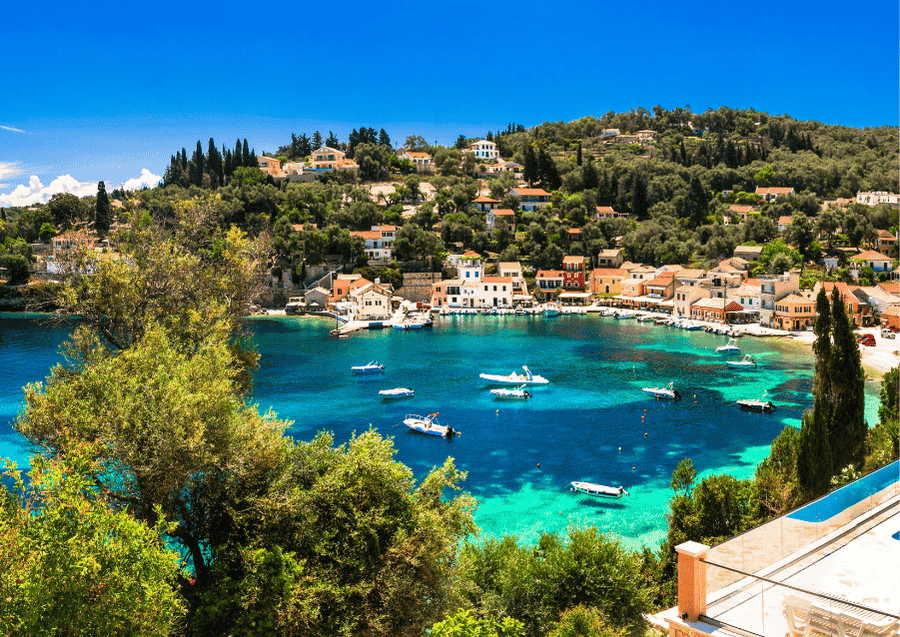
886, 333
867, 339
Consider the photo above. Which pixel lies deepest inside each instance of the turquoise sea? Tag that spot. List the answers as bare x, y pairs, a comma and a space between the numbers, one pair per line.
591, 423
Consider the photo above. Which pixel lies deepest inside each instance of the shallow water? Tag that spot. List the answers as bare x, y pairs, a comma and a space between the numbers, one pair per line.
520, 455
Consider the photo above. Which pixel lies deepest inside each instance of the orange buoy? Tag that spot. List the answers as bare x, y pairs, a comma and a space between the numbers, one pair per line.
646, 434
539, 464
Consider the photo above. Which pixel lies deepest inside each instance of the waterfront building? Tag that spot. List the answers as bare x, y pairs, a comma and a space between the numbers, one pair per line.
606, 280
573, 272
513, 270
774, 288
685, 296
371, 302
471, 288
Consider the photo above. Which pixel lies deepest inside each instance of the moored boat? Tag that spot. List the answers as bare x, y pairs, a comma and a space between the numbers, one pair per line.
746, 362
372, 367
757, 405
599, 490
518, 393
515, 378
429, 425
730, 348
551, 309
397, 392
668, 391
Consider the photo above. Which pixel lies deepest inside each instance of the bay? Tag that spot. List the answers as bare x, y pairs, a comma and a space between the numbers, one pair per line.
588, 424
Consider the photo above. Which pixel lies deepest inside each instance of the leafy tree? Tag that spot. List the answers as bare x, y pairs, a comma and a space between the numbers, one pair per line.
800, 232
103, 211
776, 476
73, 563
584, 621
464, 624
65, 209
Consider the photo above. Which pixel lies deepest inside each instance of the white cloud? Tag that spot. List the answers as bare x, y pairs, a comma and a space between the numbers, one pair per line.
15, 130
147, 178
9, 169
36, 192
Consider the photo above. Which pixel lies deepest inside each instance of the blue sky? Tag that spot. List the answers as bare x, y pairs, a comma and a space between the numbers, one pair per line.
109, 91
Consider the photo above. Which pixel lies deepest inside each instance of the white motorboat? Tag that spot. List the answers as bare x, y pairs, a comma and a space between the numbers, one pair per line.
429, 425
599, 490
518, 393
516, 379
730, 348
397, 392
690, 327
668, 391
757, 405
551, 309
371, 368
747, 361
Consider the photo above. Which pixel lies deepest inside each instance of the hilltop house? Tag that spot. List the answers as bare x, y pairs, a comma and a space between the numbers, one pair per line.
496, 214
484, 149
270, 166
421, 160
606, 212
484, 203
878, 197
532, 198
379, 242
886, 244
875, 260
327, 158
773, 192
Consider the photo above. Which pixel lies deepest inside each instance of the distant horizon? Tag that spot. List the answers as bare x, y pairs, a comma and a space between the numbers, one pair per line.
112, 93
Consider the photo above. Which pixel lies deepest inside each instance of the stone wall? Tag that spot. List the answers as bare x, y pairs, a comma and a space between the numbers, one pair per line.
417, 286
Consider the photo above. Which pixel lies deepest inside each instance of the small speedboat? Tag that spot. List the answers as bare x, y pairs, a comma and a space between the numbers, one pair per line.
668, 391
429, 425
371, 368
747, 361
690, 327
757, 405
519, 393
551, 309
397, 392
730, 348
516, 379
599, 490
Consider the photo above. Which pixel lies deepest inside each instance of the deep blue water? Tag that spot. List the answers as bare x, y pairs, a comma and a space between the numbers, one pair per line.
586, 425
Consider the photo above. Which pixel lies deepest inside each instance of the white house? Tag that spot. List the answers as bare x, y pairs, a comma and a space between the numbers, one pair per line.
471, 289
484, 149
773, 192
379, 242
372, 302
877, 197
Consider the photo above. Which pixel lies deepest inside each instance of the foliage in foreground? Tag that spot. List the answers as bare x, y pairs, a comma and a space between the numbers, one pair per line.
501, 578
71, 563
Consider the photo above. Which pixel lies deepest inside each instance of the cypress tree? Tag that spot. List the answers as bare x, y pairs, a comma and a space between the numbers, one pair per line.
530, 170
184, 162
238, 160
212, 161
848, 433
245, 154
103, 211
589, 175
317, 140
639, 204
815, 464
578, 157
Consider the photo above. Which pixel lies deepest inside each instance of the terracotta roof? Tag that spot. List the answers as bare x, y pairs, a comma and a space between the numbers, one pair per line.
503, 212
497, 279
612, 252
755, 282
574, 230
773, 190
870, 255
737, 208
531, 192
416, 153
660, 281
884, 234
509, 265
608, 272
483, 199
606, 210
784, 219
549, 274
573, 260
893, 310
796, 298
366, 234
891, 287
469, 253
387, 228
